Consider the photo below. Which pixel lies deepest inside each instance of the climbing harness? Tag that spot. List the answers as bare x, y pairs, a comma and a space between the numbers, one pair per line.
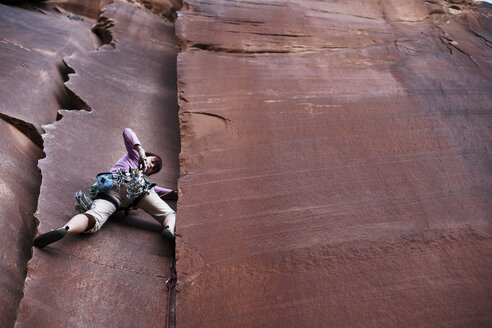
171, 281
135, 183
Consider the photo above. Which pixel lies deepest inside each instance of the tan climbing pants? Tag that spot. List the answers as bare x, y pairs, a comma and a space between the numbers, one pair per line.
150, 203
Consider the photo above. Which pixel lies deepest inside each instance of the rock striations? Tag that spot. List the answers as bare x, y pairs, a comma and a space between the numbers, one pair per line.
335, 164
115, 278
32, 47
333, 161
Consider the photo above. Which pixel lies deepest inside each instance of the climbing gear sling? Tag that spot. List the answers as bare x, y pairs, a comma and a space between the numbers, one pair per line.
137, 186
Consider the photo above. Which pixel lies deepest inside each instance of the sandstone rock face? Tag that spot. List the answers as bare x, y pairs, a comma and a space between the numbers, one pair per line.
33, 46
334, 167
335, 164
116, 277
19, 189
92, 8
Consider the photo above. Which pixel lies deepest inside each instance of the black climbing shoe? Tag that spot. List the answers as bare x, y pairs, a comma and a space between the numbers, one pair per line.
172, 195
45, 239
168, 236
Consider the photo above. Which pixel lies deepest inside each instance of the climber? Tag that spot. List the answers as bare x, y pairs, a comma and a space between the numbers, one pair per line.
128, 188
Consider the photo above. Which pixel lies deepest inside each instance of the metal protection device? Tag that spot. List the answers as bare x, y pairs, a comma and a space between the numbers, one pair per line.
82, 202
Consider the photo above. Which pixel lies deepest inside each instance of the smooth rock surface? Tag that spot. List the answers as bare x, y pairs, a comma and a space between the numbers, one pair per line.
32, 46
19, 189
91, 8
115, 277
336, 167
32, 72
164, 8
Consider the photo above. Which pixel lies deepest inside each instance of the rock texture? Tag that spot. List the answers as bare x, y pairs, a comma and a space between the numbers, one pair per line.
164, 8
116, 277
334, 167
19, 189
335, 164
32, 46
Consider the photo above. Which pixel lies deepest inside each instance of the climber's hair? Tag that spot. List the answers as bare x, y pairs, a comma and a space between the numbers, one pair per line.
158, 162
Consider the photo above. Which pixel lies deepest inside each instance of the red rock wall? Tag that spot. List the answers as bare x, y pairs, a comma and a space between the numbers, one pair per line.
116, 277
19, 189
92, 8
86, 8
32, 46
335, 164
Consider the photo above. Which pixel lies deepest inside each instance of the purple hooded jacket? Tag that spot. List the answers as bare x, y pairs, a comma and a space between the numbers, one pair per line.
130, 159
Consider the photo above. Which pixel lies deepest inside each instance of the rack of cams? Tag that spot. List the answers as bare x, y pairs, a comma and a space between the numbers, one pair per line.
135, 182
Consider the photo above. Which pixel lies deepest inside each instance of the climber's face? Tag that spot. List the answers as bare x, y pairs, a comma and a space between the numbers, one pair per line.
150, 165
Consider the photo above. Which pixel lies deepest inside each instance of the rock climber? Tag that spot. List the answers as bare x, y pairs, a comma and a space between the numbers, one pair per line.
124, 187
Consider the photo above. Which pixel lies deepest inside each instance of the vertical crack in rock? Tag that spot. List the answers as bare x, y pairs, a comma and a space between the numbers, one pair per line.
32, 92
150, 89
19, 190
68, 100
386, 156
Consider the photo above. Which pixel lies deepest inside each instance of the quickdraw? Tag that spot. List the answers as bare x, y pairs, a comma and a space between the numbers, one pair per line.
83, 203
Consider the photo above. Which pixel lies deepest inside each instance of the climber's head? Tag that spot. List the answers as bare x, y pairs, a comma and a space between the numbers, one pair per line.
154, 163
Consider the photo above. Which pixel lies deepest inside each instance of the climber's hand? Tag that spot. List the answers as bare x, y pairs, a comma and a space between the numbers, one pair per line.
142, 159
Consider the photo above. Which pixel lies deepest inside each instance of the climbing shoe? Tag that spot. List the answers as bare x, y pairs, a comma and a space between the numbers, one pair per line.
172, 195
168, 236
45, 239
